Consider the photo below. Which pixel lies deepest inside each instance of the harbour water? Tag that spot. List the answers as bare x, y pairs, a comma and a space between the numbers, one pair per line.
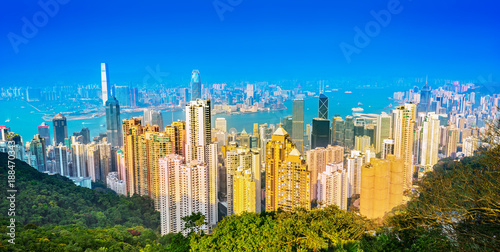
24, 119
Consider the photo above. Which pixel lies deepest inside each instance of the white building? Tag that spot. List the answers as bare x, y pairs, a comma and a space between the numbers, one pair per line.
430, 142
183, 191
332, 186
115, 184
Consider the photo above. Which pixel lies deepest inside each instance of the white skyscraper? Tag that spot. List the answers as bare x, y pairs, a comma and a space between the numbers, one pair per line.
332, 186
106, 87
221, 124
183, 191
200, 148
430, 142
79, 160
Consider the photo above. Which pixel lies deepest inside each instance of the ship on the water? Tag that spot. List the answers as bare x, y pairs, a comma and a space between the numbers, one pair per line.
357, 109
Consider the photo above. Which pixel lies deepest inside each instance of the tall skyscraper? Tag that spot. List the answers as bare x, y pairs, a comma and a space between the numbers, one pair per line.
113, 122
349, 133
221, 124
61, 158
38, 149
44, 132
105, 84
323, 106
287, 124
338, 131
430, 142
381, 186
298, 124
451, 141
383, 130
60, 128
79, 161
287, 177
404, 122
199, 147
195, 85
425, 98
183, 191
320, 136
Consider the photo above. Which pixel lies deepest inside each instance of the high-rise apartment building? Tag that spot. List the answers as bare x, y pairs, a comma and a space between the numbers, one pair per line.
60, 128
317, 160
79, 160
362, 143
113, 123
349, 133
287, 177
183, 190
105, 84
451, 141
404, 123
430, 142
243, 181
199, 147
381, 186
387, 148
298, 124
195, 85
323, 106
332, 186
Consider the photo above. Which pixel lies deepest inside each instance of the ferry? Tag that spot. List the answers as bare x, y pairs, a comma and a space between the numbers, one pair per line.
357, 110
360, 104
348, 92
8, 120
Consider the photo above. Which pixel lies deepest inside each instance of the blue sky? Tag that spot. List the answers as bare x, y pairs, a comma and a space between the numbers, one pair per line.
255, 41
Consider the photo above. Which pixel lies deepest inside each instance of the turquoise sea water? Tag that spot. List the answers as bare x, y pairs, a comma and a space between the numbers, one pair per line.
25, 121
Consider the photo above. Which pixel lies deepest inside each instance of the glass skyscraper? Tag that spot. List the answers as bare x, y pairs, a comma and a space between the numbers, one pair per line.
60, 129
323, 106
320, 133
195, 85
106, 89
113, 123
298, 124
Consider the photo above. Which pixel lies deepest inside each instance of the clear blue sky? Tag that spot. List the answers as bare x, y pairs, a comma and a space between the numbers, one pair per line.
256, 41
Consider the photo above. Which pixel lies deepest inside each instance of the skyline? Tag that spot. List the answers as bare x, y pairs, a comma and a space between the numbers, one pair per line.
256, 41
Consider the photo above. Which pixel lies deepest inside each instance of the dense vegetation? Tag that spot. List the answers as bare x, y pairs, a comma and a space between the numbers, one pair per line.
456, 208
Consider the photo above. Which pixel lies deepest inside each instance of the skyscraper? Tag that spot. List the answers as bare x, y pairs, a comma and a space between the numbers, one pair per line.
383, 130
79, 160
287, 177
221, 124
61, 158
60, 129
113, 122
387, 148
317, 160
298, 124
320, 136
288, 124
430, 142
349, 133
338, 128
323, 106
38, 149
195, 85
105, 84
44, 132
199, 147
404, 121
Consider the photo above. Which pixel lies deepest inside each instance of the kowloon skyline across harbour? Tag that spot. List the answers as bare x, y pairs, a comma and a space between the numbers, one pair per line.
233, 125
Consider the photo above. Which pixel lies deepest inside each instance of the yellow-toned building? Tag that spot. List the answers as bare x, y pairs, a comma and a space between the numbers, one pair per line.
287, 177
381, 186
404, 127
243, 191
158, 146
243, 180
